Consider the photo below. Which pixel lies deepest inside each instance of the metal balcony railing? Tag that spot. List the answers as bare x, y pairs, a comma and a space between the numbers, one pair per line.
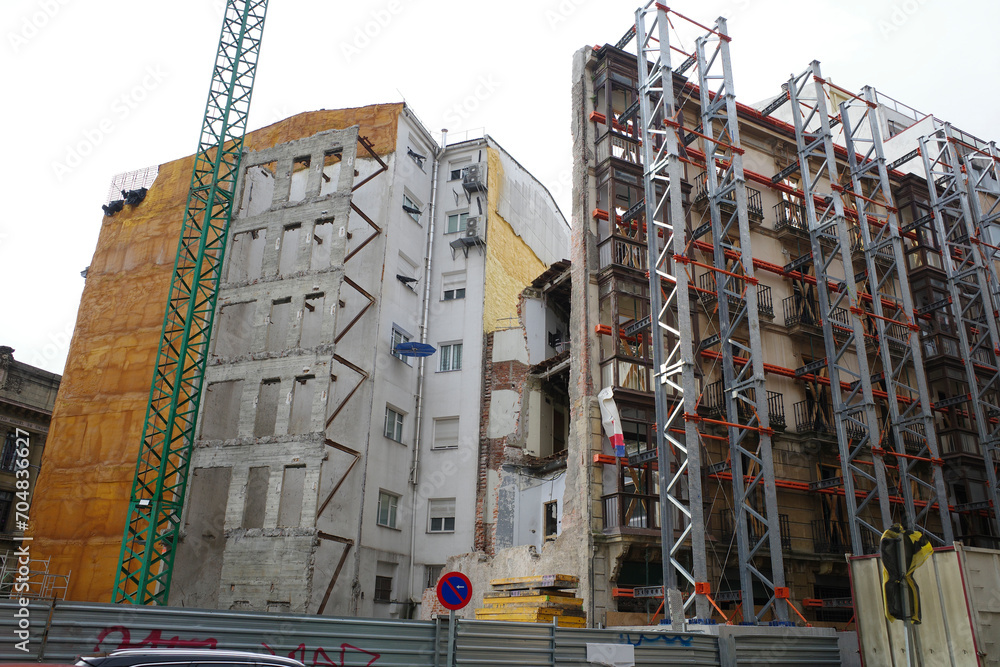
790, 216
755, 205
708, 294
630, 510
713, 405
816, 416
834, 537
801, 310
756, 530
616, 251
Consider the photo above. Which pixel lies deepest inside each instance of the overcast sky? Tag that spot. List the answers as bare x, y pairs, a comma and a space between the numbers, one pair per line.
99, 87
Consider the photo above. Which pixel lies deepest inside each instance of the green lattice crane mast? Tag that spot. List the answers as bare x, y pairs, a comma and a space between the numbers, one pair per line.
145, 564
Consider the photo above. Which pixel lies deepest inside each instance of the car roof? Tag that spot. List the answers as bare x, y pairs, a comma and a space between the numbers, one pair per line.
139, 655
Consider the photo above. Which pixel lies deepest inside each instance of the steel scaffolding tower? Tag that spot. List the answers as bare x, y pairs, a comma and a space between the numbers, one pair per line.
744, 392
674, 389
846, 360
971, 285
902, 375
146, 561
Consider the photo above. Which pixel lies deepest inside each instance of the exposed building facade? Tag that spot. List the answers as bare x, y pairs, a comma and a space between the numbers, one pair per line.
334, 471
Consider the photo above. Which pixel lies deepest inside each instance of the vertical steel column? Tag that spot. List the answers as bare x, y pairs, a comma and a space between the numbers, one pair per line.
850, 387
675, 393
744, 392
903, 376
146, 560
970, 290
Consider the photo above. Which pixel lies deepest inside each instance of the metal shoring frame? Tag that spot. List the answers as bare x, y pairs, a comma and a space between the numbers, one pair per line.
743, 385
672, 339
985, 164
817, 162
969, 290
145, 563
899, 372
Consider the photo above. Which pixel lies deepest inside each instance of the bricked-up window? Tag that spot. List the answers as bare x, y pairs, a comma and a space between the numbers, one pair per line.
441, 515
451, 357
7, 457
256, 497
312, 320
289, 256
387, 506
393, 424
383, 589
278, 322
221, 414
300, 419
267, 407
6, 498
292, 489
445, 433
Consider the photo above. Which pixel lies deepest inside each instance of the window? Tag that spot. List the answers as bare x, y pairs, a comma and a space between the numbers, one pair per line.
6, 498
399, 336
456, 223
9, 447
441, 515
393, 424
456, 175
412, 208
451, 357
453, 286
445, 433
383, 589
387, 504
433, 574
552, 518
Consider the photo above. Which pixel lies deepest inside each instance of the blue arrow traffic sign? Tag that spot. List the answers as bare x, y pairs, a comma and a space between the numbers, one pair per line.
454, 590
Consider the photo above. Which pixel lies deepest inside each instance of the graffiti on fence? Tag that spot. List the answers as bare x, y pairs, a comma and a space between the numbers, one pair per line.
154, 639
320, 656
685, 640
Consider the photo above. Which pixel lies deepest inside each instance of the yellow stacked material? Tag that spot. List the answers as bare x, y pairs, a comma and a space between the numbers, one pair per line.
537, 599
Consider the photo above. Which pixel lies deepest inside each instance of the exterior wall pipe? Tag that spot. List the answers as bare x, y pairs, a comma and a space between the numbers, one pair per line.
419, 405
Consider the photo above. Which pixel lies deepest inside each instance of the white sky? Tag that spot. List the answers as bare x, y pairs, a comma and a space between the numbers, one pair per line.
126, 82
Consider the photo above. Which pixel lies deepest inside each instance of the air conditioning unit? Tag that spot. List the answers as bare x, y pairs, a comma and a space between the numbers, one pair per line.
474, 178
473, 229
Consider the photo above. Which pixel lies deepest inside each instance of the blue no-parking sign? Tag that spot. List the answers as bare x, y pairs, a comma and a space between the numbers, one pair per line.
454, 590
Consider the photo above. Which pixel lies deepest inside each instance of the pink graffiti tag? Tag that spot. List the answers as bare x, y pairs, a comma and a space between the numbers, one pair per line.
154, 639
320, 657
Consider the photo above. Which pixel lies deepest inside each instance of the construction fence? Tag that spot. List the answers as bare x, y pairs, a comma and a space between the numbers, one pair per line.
60, 631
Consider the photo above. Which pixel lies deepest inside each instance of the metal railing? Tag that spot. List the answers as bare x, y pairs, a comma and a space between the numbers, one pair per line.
755, 529
755, 205
801, 310
791, 216
708, 293
630, 510
614, 251
713, 405
834, 537
816, 416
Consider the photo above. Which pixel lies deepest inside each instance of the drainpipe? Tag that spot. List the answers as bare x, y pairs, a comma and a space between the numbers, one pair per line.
419, 406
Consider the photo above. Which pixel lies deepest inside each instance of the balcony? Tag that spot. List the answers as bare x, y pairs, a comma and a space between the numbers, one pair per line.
755, 529
755, 206
708, 295
802, 318
790, 222
713, 406
616, 251
898, 337
883, 256
834, 537
631, 513
621, 147
816, 417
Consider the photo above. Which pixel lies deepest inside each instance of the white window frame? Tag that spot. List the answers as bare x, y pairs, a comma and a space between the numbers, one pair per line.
434, 437
397, 424
391, 501
453, 286
409, 202
440, 509
460, 218
446, 364
399, 336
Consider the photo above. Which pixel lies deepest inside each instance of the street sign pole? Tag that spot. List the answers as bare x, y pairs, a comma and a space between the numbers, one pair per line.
451, 637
